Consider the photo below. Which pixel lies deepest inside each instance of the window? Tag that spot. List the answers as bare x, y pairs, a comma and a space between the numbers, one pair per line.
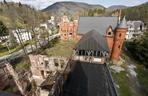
46, 63
70, 33
42, 73
109, 33
119, 46
120, 35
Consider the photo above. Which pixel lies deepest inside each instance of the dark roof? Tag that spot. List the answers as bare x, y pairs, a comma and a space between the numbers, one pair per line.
92, 40
87, 79
100, 24
123, 24
137, 24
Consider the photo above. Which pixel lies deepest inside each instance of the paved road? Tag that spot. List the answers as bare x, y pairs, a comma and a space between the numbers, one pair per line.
28, 49
88, 79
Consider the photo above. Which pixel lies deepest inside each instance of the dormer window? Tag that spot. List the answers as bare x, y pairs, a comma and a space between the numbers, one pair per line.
109, 33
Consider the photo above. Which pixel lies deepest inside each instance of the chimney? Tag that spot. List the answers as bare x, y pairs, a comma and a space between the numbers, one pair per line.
119, 16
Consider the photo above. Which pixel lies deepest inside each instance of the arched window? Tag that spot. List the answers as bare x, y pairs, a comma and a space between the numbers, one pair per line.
109, 33
119, 46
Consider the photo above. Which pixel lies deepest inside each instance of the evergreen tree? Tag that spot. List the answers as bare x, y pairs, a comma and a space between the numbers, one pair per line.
139, 49
20, 4
5, 2
3, 29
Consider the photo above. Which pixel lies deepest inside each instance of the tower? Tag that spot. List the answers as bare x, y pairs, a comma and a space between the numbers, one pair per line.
119, 39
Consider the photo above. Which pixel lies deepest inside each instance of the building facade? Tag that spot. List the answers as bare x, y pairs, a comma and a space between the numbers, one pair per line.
135, 29
23, 34
112, 33
67, 28
48, 74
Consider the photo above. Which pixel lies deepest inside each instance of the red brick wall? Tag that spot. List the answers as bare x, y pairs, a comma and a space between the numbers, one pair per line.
110, 42
118, 43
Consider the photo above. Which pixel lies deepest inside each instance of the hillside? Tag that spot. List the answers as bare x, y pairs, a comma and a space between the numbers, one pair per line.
70, 8
139, 12
19, 15
115, 7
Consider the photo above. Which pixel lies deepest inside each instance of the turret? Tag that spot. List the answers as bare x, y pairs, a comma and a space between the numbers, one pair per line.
119, 39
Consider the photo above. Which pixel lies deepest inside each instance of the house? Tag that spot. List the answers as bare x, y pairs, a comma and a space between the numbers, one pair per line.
99, 38
23, 34
3, 38
135, 29
67, 28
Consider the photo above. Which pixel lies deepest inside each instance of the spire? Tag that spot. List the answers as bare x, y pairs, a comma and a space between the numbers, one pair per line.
119, 16
123, 23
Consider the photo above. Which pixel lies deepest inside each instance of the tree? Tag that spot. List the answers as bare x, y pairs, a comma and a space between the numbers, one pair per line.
3, 29
5, 2
20, 4
12, 40
139, 49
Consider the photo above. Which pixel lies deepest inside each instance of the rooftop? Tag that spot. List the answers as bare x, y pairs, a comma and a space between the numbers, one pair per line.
87, 79
92, 40
100, 24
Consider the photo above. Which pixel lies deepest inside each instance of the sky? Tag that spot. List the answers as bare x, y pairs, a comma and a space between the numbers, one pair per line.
40, 4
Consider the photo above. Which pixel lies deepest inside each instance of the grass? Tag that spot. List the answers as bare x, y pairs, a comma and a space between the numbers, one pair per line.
6, 52
61, 48
141, 71
22, 63
143, 77
124, 85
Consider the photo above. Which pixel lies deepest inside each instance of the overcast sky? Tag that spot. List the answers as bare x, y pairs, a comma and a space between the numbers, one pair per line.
40, 4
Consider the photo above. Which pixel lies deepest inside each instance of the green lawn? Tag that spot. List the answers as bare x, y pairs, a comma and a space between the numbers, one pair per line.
124, 85
61, 48
6, 52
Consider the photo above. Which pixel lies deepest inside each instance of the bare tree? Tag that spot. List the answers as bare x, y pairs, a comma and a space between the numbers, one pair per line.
29, 33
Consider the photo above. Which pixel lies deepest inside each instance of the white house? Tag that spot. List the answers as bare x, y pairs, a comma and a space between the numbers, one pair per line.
3, 38
135, 29
52, 20
23, 34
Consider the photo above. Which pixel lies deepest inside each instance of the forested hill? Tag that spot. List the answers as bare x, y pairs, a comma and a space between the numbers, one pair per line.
71, 8
19, 15
139, 12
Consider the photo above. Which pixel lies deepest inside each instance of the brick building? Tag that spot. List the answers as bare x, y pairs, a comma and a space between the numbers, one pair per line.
112, 29
67, 28
112, 33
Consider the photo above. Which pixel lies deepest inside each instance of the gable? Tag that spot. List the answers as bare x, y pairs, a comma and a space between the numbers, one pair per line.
109, 31
93, 40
